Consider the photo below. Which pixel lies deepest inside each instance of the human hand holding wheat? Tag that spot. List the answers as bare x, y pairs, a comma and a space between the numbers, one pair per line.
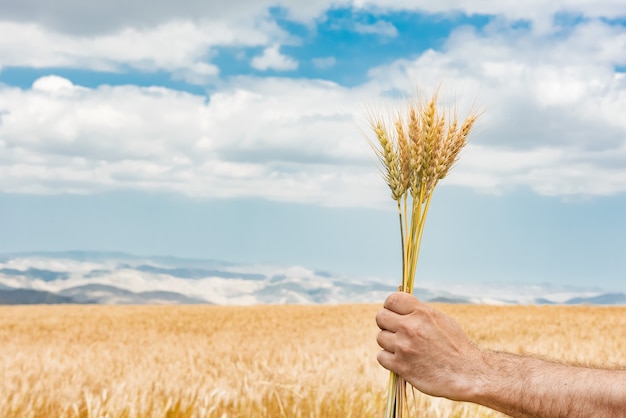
427, 348
416, 150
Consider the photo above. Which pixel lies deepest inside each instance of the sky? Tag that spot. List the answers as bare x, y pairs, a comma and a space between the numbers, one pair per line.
235, 131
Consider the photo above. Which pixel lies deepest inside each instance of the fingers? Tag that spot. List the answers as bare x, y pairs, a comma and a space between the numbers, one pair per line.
401, 303
386, 340
396, 305
388, 320
385, 358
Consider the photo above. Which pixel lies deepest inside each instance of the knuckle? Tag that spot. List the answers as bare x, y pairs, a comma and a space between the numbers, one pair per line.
410, 326
403, 348
421, 316
412, 330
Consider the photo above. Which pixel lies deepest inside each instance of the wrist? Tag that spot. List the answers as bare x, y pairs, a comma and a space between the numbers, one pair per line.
502, 381
481, 384
474, 381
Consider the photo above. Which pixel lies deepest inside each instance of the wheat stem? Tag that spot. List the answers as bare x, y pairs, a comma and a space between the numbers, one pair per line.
420, 232
402, 241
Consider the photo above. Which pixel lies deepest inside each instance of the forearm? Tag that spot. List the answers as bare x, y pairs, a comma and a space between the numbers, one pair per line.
530, 387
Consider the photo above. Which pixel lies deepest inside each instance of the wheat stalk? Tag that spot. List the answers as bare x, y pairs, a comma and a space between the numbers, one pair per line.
415, 155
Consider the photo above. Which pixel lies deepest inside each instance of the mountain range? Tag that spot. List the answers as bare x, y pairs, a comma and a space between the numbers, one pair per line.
119, 278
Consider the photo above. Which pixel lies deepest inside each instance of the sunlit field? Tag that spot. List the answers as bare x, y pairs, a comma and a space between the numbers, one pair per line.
260, 361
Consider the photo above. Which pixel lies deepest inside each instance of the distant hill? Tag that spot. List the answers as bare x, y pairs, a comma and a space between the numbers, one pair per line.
32, 297
603, 299
35, 273
119, 278
197, 273
443, 299
106, 294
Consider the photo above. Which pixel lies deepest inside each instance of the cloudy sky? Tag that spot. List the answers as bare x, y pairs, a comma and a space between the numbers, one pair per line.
232, 131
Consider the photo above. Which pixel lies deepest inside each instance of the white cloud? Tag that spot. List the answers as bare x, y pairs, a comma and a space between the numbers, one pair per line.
540, 12
553, 123
552, 107
279, 139
199, 73
272, 59
76, 17
54, 85
180, 47
324, 62
379, 28
181, 38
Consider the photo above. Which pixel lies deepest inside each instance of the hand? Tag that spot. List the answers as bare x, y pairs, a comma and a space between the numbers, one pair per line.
427, 348
431, 352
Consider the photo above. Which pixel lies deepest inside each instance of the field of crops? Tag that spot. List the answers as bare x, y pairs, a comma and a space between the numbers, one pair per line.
260, 361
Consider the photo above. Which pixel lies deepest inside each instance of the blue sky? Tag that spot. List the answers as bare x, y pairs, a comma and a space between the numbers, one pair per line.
232, 132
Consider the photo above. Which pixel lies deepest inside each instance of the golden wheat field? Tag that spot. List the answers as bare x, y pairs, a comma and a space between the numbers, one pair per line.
259, 361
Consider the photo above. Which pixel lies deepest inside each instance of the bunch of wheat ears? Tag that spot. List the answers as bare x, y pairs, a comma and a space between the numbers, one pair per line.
416, 148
